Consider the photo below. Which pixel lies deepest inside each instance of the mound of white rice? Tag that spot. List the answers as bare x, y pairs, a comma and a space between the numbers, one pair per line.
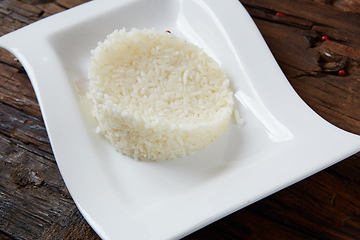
157, 97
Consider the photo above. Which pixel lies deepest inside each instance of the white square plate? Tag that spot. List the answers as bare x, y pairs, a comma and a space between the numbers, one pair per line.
282, 141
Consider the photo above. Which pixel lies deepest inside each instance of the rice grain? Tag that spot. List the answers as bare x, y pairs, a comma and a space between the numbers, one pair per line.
157, 97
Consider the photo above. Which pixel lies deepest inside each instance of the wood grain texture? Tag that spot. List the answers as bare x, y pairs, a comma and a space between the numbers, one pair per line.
35, 203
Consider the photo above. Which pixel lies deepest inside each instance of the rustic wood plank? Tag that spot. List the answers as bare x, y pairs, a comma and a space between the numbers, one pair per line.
347, 5
35, 203
290, 42
319, 14
5, 236
322, 206
19, 11
70, 3
50, 8
272, 16
286, 214
32, 191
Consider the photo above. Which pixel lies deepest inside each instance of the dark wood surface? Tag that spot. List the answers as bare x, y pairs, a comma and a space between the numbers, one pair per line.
35, 203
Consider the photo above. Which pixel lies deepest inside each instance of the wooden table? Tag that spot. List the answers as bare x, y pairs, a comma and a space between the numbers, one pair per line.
35, 203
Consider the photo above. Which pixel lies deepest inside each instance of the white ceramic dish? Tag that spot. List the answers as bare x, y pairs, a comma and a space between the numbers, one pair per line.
282, 141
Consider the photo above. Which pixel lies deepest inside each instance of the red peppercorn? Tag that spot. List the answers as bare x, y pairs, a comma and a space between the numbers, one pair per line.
279, 14
168, 31
324, 38
342, 73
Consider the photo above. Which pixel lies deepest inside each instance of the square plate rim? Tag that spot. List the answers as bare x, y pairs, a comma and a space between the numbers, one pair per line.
25, 57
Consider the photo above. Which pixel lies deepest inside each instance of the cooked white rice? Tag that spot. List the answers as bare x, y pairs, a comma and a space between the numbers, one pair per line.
157, 97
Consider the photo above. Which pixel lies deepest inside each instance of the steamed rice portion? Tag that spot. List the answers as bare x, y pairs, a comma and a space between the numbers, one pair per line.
157, 97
